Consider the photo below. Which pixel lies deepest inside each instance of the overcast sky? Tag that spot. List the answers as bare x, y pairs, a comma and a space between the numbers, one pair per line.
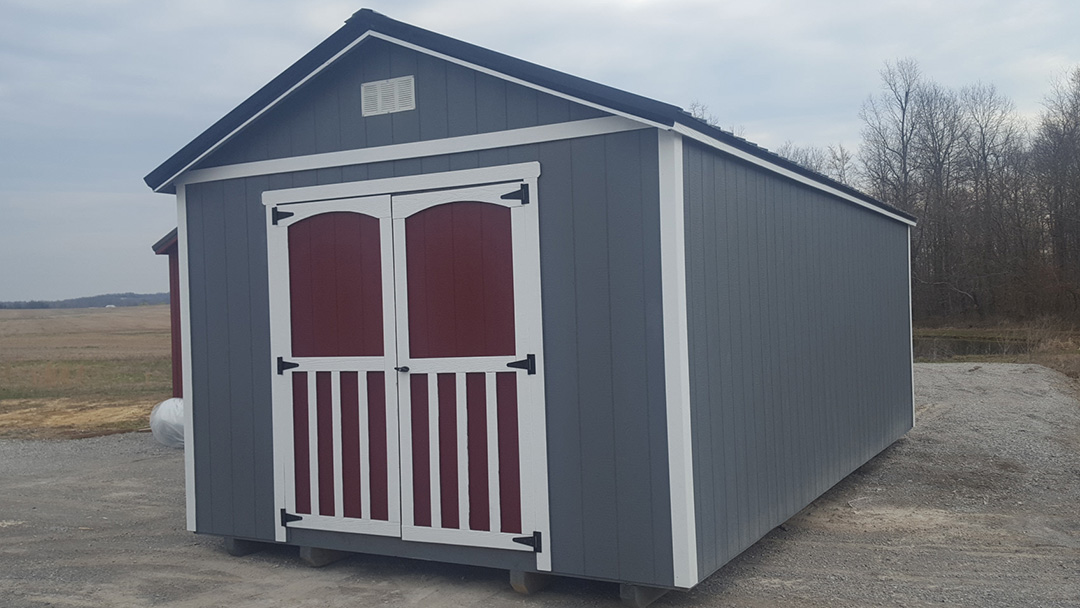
96, 93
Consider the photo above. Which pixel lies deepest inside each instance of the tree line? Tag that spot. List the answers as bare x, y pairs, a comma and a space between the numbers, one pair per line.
997, 197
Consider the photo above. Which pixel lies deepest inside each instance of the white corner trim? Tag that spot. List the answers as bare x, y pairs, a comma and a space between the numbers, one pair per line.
405, 183
911, 326
185, 356
677, 361
750, 158
418, 149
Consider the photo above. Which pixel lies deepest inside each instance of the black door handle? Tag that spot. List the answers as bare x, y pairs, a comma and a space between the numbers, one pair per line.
403, 369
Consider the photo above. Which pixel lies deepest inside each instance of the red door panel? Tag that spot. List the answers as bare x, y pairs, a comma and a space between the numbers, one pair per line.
460, 281
335, 271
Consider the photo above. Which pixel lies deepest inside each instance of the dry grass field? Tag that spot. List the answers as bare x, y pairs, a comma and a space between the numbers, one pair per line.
68, 373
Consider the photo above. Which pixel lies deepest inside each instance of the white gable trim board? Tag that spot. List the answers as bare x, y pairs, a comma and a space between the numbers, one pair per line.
418, 149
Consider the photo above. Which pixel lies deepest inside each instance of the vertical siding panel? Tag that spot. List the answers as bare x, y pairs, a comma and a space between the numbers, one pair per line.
490, 103
239, 365
379, 129
521, 108
431, 101
350, 109
551, 109
743, 380
758, 311
301, 125
217, 379
561, 361
697, 345
649, 185
327, 119
600, 517
331, 175
405, 125
461, 100
629, 390
261, 423
727, 482
712, 338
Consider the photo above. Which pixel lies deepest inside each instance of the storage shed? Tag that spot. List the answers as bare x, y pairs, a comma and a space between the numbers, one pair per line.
441, 303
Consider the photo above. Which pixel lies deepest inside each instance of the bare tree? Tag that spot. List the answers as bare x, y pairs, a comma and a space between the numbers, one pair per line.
888, 134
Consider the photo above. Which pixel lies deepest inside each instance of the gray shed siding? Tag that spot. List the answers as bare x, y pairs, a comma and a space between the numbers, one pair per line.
799, 345
451, 100
603, 336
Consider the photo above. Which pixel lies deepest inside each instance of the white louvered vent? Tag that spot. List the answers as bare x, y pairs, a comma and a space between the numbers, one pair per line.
386, 96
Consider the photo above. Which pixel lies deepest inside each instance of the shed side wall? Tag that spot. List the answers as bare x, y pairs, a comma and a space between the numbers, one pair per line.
603, 336
799, 345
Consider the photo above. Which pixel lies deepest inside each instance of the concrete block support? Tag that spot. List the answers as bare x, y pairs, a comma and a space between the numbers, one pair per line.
238, 547
637, 596
528, 583
317, 558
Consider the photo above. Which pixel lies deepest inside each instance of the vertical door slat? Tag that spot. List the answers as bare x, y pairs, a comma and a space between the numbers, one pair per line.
313, 443
462, 436
363, 430
491, 413
335, 416
436, 453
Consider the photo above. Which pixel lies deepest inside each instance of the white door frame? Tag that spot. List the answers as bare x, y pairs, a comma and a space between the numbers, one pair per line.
281, 346
532, 439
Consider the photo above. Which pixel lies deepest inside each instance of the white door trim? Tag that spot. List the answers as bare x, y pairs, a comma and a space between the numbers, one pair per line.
532, 437
377, 206
402, 196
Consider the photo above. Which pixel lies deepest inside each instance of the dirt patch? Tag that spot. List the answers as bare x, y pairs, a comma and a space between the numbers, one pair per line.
81, 372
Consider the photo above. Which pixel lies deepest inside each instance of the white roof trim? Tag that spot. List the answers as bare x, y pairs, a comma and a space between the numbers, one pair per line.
765, 164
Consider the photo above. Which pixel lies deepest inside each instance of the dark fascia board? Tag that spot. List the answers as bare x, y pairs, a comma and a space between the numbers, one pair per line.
367, 20
166, 242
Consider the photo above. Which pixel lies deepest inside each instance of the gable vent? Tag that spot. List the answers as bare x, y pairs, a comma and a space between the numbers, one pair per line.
386, 96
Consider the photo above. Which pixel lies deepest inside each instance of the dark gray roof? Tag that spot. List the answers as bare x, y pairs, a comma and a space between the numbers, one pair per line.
366, 20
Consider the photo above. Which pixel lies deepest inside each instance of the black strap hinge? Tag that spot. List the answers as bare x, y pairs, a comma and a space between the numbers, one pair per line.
283, 365
535, 541
528, 364
521, 194
277, 215
287, 517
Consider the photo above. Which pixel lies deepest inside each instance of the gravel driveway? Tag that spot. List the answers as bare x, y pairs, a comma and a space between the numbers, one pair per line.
977, 506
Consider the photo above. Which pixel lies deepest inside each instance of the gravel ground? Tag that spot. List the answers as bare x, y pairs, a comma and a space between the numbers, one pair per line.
977, 506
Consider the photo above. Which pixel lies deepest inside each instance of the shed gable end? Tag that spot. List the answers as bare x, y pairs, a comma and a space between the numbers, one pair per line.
326, 114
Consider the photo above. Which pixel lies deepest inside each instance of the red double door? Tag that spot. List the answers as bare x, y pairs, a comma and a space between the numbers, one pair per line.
408, 378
